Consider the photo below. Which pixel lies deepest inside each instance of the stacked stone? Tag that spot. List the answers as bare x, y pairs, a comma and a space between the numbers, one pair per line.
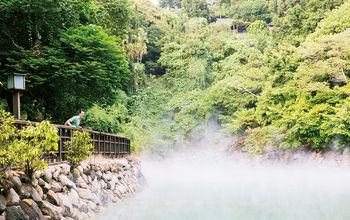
59, 194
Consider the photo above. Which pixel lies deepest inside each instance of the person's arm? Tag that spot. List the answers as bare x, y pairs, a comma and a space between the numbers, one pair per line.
68, 122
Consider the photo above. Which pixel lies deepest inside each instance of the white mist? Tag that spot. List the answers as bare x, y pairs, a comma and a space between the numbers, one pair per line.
203, 183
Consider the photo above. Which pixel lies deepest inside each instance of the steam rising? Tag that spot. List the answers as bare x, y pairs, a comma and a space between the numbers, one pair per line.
203, 182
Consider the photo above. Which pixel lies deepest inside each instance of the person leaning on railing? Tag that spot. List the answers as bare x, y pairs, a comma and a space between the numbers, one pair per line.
75, 120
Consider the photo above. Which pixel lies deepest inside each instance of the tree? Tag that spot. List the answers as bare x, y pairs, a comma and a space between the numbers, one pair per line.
196, 8
114, 16
253, 10
37, 141
170, 3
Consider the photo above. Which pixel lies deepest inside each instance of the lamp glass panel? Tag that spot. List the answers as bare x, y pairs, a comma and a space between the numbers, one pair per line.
19, 82
10, 82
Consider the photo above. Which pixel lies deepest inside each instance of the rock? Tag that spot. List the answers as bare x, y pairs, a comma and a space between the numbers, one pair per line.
46, 187
25, 191
32, 212
38, 212
75, 214
91, 205
37, 174
47, 176
84, 193
12, 198
7, 184
16, 213
65, 169
85, 178
87, 172
52, 198
41, 182
89, 179
65, 181
93, 174
56, 174
83, 207
74, 197
83, 216
51, 210
76, 173
83, 185
35, 182
2, 203
346, 151
66, 203
81, 170
56, 186
105, 199
99, 174
40, 191
28, 202
108, 185
16, 182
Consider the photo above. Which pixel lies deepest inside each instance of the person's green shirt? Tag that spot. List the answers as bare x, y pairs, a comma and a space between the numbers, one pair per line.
75, 121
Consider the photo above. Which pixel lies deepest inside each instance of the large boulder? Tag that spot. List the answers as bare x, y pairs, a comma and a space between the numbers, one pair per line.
16, 182
56, 186
25, 191
65, 169
32, 211
51, 210
2, 204
39, 191
65, 181
16, 213
56, 174
12, 198
47, 176
85, 193
74, 197
52, 198
66, 203
81, 183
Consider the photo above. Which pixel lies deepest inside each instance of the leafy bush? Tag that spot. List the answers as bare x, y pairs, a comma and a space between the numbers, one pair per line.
106, 119
79, 148
9, 144
37, 141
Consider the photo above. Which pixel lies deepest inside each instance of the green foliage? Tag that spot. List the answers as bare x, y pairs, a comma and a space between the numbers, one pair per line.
195, 8
170, 3
37, 141
108, 119
26, 147
78, 148
63, 53
9, 144
253, 10
113, 15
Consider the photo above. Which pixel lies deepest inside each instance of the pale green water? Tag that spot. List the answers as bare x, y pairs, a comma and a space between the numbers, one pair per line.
200, 188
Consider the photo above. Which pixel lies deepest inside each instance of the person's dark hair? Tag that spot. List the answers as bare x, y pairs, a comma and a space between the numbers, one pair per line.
81, 110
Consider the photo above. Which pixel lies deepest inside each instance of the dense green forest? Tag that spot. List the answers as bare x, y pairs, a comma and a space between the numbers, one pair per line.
157, 75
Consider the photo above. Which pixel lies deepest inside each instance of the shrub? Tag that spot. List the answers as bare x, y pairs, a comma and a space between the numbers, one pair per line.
9, 144
79, 148
37, 141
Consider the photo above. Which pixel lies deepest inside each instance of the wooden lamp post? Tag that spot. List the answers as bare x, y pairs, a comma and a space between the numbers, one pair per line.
17, 83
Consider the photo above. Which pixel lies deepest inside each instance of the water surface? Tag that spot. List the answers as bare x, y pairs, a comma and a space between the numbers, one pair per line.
205, 185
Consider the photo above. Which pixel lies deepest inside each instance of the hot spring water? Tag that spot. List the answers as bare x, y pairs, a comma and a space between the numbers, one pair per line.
205, 185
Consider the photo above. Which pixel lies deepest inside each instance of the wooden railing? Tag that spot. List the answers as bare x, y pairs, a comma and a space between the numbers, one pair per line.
106, 144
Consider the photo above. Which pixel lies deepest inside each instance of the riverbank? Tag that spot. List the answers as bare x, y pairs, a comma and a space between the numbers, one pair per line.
57, 193
294, 156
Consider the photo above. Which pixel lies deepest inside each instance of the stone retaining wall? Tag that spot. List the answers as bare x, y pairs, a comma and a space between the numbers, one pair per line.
59, 194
